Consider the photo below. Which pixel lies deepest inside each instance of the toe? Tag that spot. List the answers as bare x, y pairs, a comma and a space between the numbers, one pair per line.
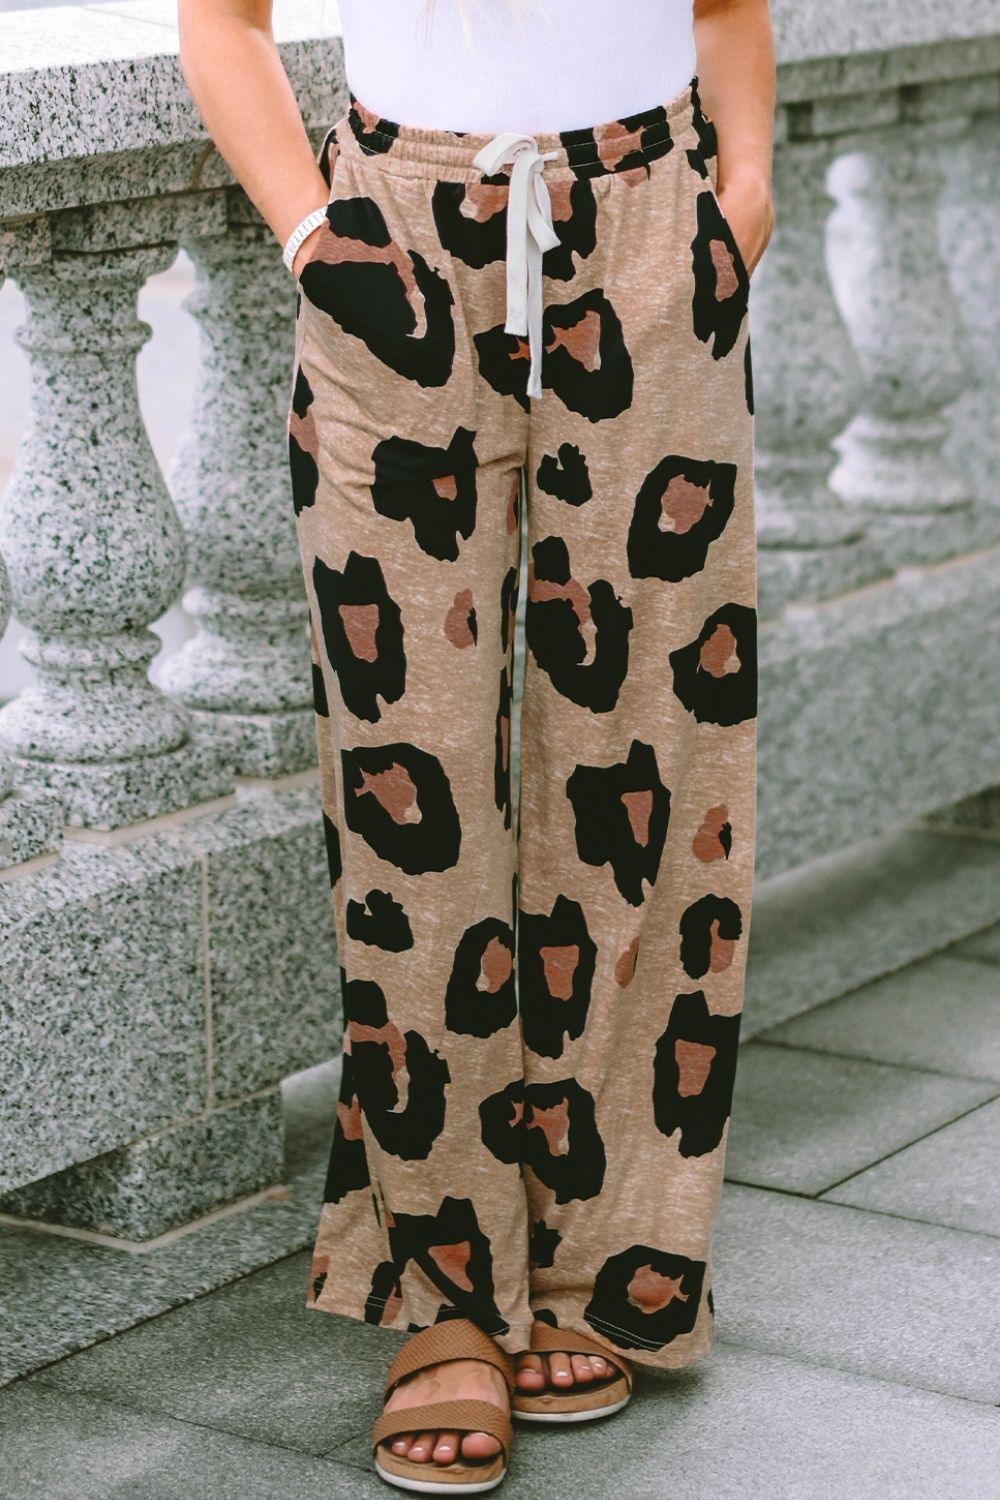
446, 1448
401, 1445
479, 1445
560, 1370
600, 1367
582, 1373
422, 1447
531, 1373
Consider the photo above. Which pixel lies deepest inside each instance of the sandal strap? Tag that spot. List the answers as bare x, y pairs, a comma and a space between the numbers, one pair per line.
455, 1338
548, 1340
446, 1416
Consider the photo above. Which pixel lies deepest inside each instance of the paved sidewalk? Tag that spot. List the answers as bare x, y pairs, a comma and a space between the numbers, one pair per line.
858, 1261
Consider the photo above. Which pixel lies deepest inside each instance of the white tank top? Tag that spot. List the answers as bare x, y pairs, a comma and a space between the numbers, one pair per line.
526, 65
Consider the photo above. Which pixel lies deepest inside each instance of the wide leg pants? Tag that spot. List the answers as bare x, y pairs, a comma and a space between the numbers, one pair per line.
541, 1006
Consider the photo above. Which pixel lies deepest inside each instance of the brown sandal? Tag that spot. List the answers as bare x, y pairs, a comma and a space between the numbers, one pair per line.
583, 1403
438, 1345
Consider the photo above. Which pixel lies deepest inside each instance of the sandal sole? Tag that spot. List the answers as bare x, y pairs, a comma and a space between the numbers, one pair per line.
584, 1414
438, 1486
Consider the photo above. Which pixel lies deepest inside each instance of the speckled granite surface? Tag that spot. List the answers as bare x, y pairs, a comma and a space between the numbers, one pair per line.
867, 720
148, 980
141, 1191
60, 1294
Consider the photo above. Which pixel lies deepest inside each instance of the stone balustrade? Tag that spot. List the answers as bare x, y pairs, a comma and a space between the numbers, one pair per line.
163, 897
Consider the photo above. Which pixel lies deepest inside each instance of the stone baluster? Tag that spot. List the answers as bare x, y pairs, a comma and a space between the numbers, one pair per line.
29, 824
807, 378
893, 289
970, 238
94, 546
245, 674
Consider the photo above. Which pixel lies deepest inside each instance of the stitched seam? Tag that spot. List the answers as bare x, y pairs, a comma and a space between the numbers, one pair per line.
627, 1333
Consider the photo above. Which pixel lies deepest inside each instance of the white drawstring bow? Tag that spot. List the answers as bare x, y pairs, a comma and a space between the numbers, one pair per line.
529, 234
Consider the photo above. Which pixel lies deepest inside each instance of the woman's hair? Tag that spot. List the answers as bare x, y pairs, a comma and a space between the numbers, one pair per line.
517, 9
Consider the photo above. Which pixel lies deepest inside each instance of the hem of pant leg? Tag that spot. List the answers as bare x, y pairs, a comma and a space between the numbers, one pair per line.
664, 1358
347, 1308
514, 1341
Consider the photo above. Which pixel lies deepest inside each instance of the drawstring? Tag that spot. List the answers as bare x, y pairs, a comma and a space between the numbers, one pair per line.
529, 235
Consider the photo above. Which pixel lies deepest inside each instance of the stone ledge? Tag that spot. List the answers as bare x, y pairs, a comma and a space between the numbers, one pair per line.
113, 1290
147, 981
872, 714
147, 1188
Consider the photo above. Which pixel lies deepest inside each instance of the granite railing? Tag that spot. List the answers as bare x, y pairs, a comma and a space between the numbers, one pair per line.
163, 910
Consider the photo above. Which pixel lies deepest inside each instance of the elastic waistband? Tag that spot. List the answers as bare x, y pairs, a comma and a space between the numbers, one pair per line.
626, 145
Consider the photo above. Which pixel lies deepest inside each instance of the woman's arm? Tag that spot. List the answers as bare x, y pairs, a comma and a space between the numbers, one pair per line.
232, 68
736, 84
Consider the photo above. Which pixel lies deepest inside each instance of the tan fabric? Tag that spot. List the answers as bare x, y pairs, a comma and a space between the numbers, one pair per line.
565, 1158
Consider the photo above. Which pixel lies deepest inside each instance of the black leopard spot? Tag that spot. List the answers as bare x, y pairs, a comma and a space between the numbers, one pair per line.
586, 362
504, 359
320, 703
748, 377
398, 798
471, 219
694, 1069
385, 1297
379, 921
454, 1254
347, 1171
373, 134
578, 635
551, 1128
715, 675
400, 1081
363, 633
710, 930
502, 790
432, 488
621, 814
328, 153
721, 284
585, 359
574, 219
542, 1245
481, 998
331, 838
388, 297
565, 476
508, 608
704, 127
555, 968
303, 445
645, 1298
682, 506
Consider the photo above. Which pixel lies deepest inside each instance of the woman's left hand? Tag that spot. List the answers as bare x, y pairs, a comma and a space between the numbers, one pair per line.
747, 208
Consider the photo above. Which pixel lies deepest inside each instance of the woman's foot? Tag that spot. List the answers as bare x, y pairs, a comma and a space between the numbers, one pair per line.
561, 1372
459, 1379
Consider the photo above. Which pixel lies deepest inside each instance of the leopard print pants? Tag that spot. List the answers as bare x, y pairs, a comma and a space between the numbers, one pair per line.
531, 1129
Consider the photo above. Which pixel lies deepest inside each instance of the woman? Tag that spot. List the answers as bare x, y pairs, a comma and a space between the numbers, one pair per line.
506, 307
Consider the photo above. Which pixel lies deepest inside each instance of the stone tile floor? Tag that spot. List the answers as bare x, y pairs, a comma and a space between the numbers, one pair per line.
857, 1276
